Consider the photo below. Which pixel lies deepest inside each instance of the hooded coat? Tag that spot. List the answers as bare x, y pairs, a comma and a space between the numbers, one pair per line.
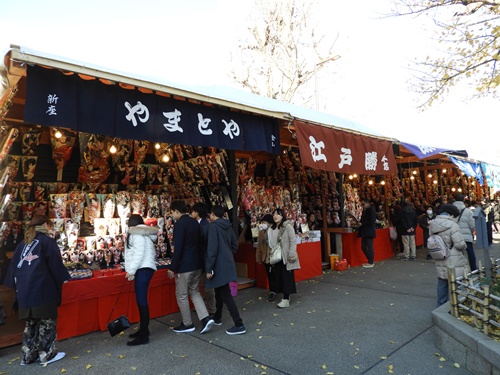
447, 228
466, 223
139, 248
221, 245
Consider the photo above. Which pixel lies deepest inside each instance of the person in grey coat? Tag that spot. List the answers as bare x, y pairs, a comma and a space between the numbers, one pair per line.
283, 271
220, 267
445, 226
467, 226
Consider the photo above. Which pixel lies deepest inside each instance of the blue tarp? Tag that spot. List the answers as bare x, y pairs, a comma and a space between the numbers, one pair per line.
471, 169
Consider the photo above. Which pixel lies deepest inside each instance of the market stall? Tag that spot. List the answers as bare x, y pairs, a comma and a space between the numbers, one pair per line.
88, 147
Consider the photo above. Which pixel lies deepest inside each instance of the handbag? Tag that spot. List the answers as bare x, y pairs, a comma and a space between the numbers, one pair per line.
121, 323
118, 325
275, 254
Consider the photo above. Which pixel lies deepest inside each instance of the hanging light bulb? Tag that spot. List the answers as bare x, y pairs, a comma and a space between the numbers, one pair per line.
370, 182
382, 182
112, 149
354, 175
429, 175
351, 177
414, 171
444, 170
165, 158
412, 177
459, 190
157, 146
58, 134
435, 182
453, 189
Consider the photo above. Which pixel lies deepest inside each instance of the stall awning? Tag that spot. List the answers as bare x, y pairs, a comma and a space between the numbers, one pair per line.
57, 99
471, 169
333, 150
423, 152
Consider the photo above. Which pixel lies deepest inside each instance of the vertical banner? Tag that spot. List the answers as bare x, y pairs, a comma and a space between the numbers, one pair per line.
51, 98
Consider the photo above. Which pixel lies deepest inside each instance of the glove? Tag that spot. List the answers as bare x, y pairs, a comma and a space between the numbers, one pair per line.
129, 276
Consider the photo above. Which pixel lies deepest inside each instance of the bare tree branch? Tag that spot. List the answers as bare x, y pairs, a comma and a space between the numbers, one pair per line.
469, 31
281, 51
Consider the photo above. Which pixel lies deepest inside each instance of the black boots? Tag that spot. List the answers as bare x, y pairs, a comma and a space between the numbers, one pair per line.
142, 335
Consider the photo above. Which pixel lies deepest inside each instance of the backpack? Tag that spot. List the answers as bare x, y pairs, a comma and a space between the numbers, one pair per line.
438, 250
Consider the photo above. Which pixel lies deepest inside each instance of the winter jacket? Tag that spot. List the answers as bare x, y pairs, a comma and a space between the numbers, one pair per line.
466, 222
425, 221
221, 245
37, 273
288, 247
188, 247
139, 248
368, 219
262, 251
449, 231
409, 221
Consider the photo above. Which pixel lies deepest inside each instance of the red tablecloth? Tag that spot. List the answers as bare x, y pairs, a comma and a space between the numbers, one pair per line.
87, 304
351, 247
310, 264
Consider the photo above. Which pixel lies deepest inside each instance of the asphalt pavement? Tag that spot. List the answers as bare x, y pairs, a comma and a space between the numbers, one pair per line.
359, 321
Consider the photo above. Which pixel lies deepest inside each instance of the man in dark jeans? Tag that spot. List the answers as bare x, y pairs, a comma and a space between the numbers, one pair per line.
220, 267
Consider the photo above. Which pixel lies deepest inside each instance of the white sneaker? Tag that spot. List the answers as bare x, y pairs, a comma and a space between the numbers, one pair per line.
368, 265
284, 303
58, 356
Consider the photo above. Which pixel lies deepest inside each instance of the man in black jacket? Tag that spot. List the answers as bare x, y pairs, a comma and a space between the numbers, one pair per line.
367, 232
187, 264
409, 222
199, 212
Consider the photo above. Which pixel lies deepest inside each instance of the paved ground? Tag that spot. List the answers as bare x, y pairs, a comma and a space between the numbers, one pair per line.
354, 322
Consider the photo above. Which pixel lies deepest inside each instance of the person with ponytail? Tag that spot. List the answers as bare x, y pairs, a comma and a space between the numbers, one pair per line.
140, 267
37, 273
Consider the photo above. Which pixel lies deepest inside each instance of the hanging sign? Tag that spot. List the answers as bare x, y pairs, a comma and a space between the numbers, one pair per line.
338, 151
55, 99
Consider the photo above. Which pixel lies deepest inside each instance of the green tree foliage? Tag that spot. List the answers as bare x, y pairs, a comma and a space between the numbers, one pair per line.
468, 34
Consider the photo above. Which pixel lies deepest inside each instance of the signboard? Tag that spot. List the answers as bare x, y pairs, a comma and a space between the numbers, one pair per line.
56, 99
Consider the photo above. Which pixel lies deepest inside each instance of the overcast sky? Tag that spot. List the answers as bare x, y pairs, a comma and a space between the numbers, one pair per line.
190, 42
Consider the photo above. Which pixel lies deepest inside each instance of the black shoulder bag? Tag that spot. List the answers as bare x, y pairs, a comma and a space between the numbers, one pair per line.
121, 323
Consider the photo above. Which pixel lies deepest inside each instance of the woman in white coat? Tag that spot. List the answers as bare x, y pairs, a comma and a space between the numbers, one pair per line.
445, 225
140, 267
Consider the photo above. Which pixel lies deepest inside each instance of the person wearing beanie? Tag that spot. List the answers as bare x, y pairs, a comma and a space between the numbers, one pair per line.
262, 254
37, 273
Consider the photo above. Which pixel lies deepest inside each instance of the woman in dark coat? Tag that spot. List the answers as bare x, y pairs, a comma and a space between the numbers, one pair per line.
37, 273
367, 232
